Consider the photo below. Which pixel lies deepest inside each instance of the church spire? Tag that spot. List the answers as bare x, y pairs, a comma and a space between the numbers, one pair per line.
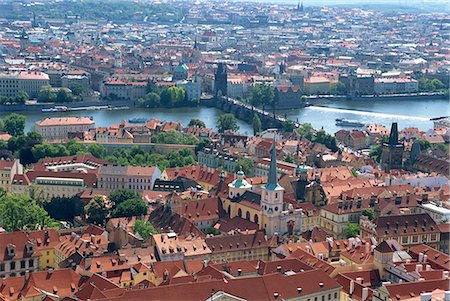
273, 181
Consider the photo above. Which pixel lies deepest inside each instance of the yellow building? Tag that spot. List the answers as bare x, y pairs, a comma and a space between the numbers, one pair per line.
46, 242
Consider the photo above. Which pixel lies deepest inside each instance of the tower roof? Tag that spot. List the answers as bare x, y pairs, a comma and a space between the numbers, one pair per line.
393, 138
272, 182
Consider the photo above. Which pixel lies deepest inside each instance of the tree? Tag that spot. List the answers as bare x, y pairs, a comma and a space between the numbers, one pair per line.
441, 146
337, 88
212, 231
121, 195
227, 122
144, 228
14, 124
351, 230
63, 96
174, 137
262, 94
288, 126
256, 124
21, 97
375, 152
246, 164
76, 89
289, 159
63, 208
326, 139
96, 210
151, 100
74, 148
196, 123
370, 213
97, 150
306, 131
424, 144
46, 94
22, 212
131, 207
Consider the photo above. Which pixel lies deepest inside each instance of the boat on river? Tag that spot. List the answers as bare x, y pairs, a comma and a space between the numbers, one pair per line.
349, 123
56, 109
137, 120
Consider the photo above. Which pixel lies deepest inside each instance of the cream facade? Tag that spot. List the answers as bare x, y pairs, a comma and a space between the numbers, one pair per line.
59, 128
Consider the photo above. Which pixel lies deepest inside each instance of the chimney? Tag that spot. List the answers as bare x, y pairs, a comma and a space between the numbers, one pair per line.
360, 280
239, 272
425, 258
420, 257
367, 248
365, 293
447, 296
425, 296
352, 287
418, 268
428, 267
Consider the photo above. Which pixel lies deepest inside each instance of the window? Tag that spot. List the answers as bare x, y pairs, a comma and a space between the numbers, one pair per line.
404, 239
335, 295
323, 297
22, 264
2, 267
12, 265
415, 238
329, 296
31, 263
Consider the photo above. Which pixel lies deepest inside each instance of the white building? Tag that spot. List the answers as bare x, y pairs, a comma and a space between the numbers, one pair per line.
437, 212
193, 88
395, 85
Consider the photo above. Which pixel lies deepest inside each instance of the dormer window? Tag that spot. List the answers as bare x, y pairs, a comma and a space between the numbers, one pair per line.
11, 249
29, 248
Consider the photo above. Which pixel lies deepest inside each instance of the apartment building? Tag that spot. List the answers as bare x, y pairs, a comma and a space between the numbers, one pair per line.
31, 82
59, 128
8, 169
18, 254
409, 230
140, 178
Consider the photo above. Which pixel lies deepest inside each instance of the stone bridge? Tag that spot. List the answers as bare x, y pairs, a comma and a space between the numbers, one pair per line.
246, 111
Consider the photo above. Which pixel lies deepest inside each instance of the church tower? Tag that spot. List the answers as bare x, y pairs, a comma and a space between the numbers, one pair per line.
272, 198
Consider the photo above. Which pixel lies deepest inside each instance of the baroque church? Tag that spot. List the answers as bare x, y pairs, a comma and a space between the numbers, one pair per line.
265, 208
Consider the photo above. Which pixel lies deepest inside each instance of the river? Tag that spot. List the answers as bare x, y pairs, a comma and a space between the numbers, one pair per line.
408, 113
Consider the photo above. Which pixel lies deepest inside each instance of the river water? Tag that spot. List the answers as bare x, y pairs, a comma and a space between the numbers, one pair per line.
408, 113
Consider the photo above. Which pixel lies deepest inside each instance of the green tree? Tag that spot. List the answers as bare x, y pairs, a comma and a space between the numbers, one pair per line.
21, 97
96, 210
151, 100
227, 122
46, 94
351, 230
375, 152
256, 124
247, 166
63, 208
22, 212
424, 144
121, 195
306, 131
14, 124
211, 231
74, 148
63, 96
196, 123
441, 146
337, 88
97, 150
262, 94
289, 159
288, 126
76, 89
144, 228
131, 207
370, 213
326, 139
174, 137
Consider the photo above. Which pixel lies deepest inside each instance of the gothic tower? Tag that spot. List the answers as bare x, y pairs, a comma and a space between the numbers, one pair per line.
220, 80
272, 198
392, 151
